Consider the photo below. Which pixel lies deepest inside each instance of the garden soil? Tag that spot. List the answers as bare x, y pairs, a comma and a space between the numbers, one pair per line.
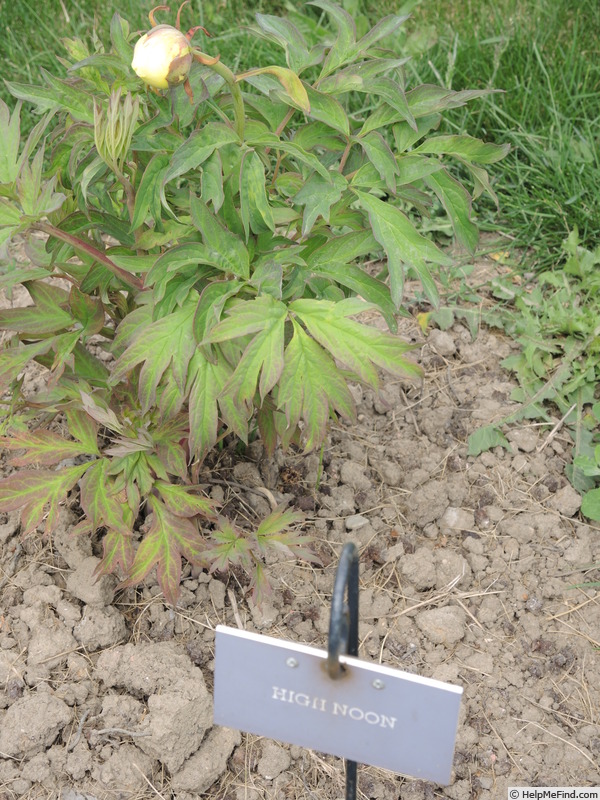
468, 574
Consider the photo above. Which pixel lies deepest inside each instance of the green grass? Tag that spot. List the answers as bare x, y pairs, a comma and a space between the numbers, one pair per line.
545, 55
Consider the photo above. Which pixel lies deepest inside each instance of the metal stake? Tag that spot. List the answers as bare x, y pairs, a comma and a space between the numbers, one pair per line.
343, 631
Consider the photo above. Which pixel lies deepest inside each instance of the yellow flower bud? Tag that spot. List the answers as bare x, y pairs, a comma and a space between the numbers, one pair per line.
162, 57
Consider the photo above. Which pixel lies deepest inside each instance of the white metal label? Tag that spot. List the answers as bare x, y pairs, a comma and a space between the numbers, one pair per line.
373, 714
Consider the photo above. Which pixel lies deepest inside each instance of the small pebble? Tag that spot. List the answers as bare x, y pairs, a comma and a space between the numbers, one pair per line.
355, 521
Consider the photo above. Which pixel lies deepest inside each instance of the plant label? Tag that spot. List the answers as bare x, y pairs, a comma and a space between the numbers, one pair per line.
373, 714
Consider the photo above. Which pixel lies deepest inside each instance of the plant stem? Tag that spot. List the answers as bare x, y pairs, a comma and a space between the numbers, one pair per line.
236, 92
345, 155
284, 122
88, 248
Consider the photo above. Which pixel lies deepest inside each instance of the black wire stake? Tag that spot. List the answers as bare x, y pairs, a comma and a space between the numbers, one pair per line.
343, 632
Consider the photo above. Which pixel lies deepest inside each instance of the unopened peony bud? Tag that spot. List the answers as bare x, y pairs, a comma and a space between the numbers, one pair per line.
162, 57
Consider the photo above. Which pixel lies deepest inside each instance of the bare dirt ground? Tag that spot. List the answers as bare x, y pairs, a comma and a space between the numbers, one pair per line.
468, 570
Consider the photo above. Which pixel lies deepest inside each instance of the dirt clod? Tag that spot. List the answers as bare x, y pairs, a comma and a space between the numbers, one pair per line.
32, 724
442, 625
273, 761
84, 584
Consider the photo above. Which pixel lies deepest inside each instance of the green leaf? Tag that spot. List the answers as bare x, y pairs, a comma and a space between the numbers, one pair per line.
117, 553
286, 34
590, 506
33, 490
343, 249
100, 500
318, 134
457, 204
405, 136
317, 196
414, 168
104, 63
293, 86
328, 110
174, 260
10, 128
382, 158
147, 196
272, 534
172, 459
181, 501
481, 182
89, 368
63, 346
225, 249
354, 78
429, 99
391, 91
83, 428
167, 341
263, 356
87, 310
255, 210
402, 243
170, 397
590, 467
268, 139
357, 346
58, 94
385, 27
9, 213
208, 382
268, 274
195, 150
169, 538
232, 547
14, 359
334, 260
276, 522
344, 48
212, 181
485, 438
466, 147
32, 321
46, 316
360, 282
382, 117
36, 195
119, 32
15, 275
210, 305
43, 447
310, 387
33, 139
129, 326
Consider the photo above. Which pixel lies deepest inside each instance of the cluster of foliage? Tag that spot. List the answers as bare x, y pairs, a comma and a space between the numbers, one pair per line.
216, 254
554, 318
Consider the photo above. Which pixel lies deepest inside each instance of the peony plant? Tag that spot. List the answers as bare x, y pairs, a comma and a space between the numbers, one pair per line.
200, 250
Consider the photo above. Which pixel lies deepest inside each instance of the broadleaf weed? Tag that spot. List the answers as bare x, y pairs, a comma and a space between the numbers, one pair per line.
554, 318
